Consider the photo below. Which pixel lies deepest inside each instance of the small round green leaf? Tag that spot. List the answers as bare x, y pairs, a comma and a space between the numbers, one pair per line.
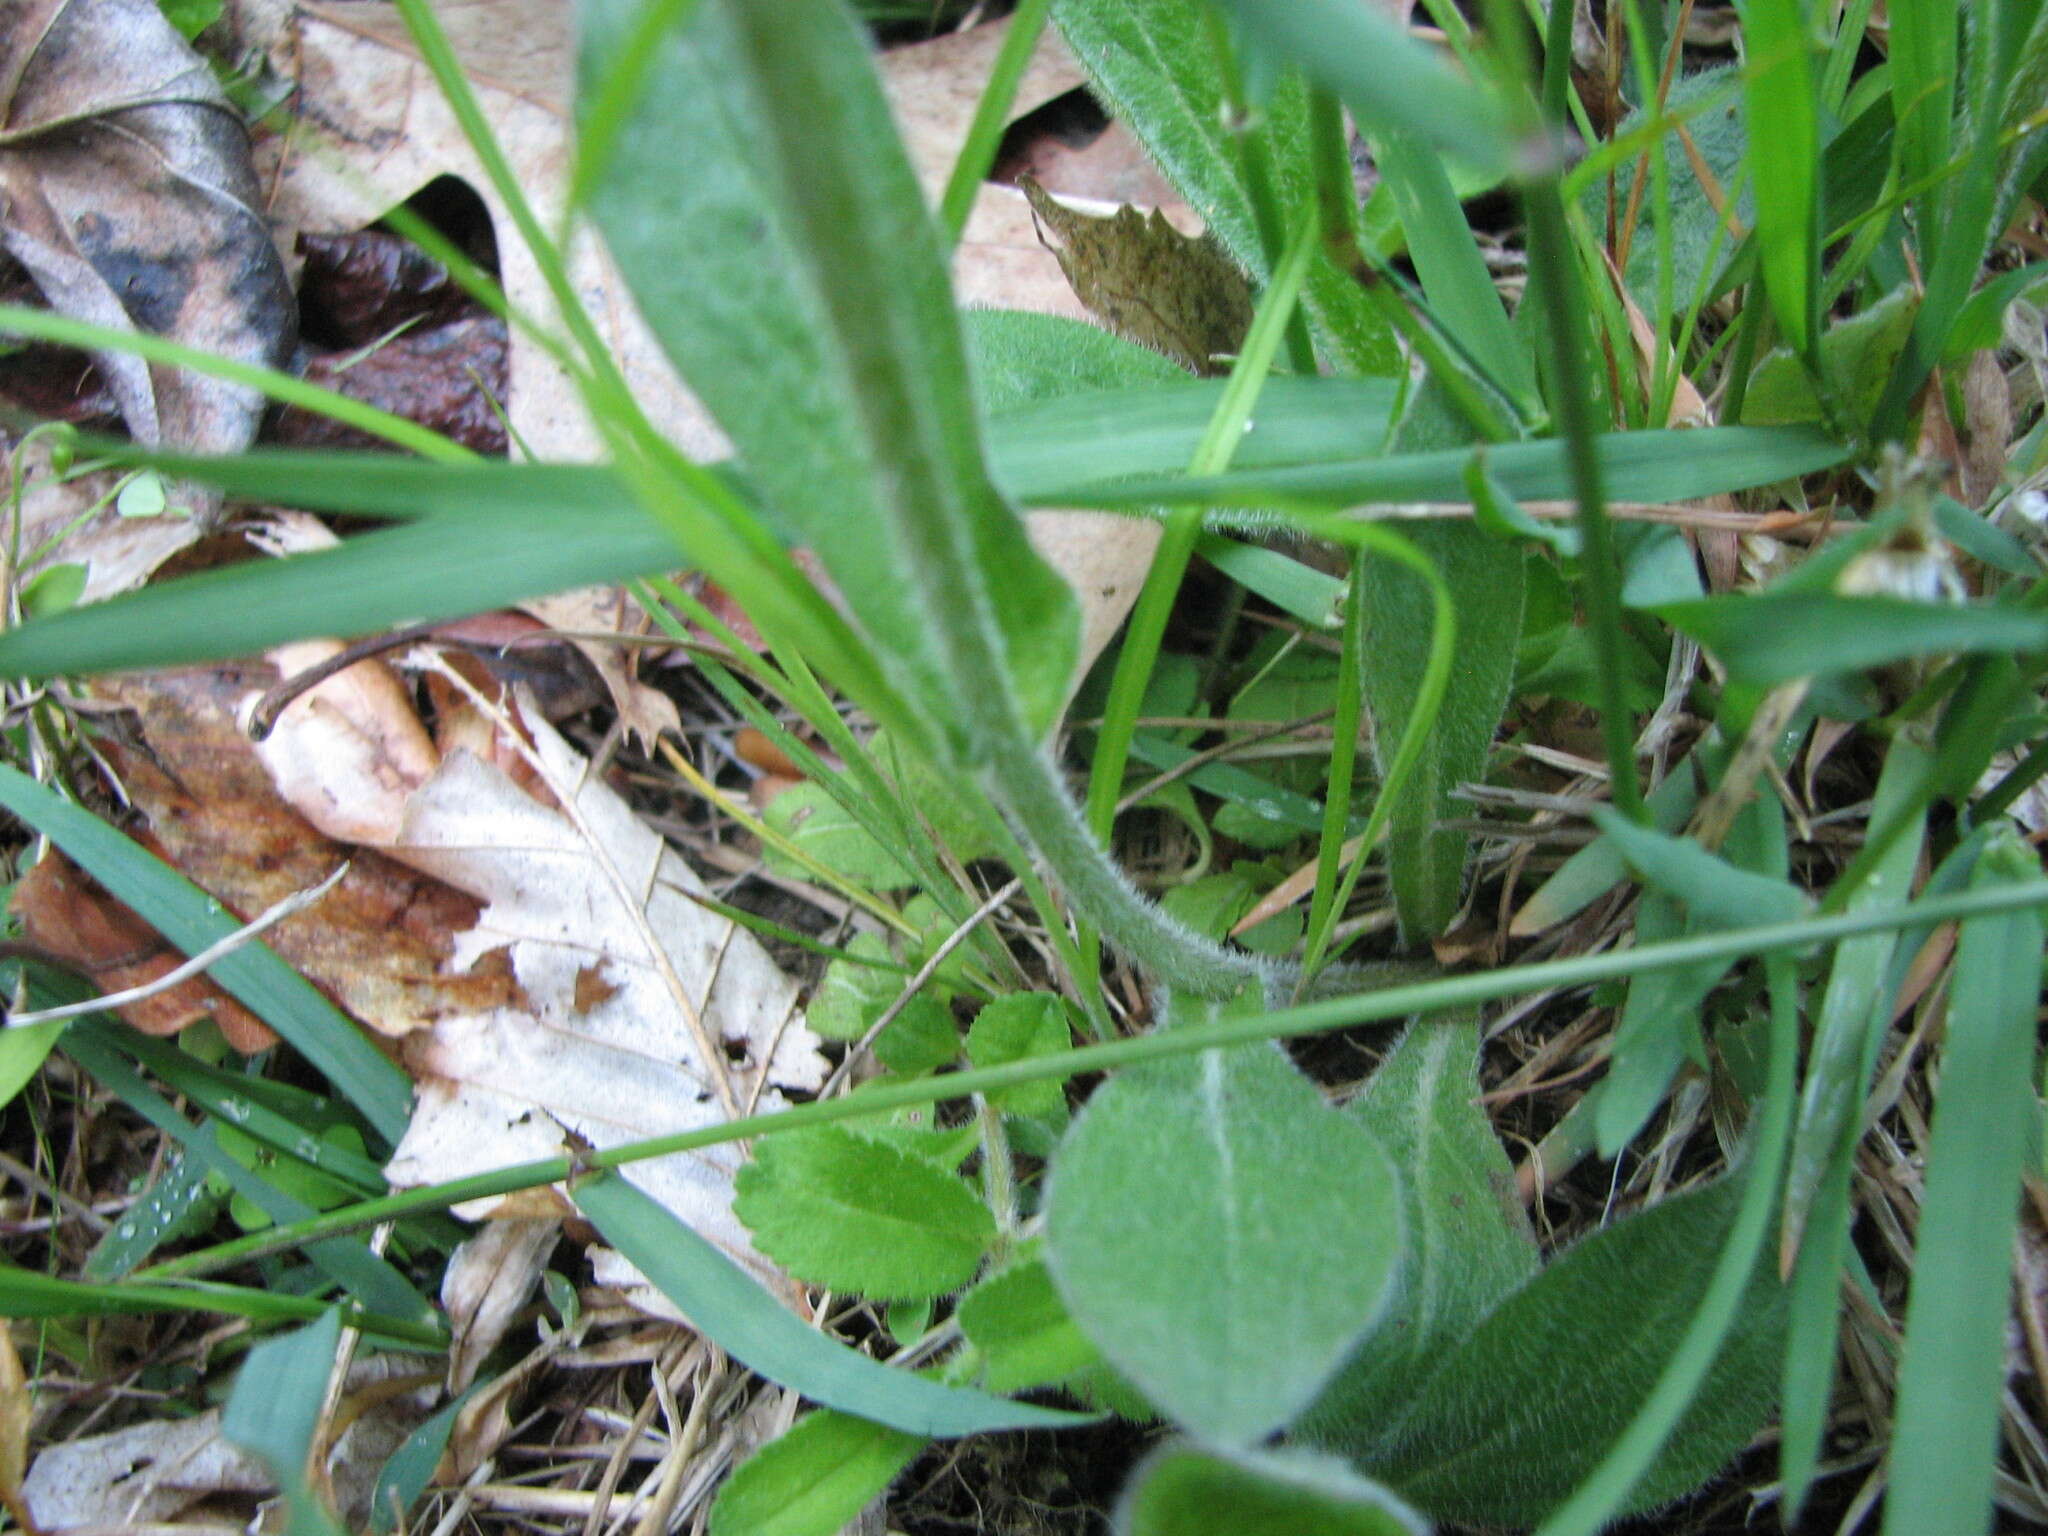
838, 1210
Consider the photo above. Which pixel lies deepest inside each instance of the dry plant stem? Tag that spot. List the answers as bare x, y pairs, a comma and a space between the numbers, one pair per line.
297, 902
1635, 191
263, 718
1717, 813
1393, 1002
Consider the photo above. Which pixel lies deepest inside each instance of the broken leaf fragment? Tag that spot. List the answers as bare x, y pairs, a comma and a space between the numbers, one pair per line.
1177, 294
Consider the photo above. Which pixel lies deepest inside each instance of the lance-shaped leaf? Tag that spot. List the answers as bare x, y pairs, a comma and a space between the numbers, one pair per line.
1954, 1368
787, 263
1497, 1435
1486, 579
1468, 1240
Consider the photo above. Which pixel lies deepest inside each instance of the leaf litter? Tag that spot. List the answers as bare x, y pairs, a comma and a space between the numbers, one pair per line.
129, 196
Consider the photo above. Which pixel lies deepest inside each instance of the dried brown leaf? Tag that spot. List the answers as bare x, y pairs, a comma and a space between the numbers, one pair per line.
126, 191
488, 1281
640, 1012
17, 1410
67, 913
145, 1474
379, 942
1150, 283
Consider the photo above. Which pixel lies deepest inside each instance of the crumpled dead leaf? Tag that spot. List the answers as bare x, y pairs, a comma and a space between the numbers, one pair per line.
149, 1473
126, 191
157, 1471
640, 1012
1179, 295
17, 1410
379, 942
67, 913
488, 1280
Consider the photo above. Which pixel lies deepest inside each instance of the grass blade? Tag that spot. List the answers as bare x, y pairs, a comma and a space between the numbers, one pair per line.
190, 919
753, 1327
1952, 1376
1783, 113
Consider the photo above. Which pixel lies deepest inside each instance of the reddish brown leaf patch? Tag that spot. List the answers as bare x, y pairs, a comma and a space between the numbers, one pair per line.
66, 912
378, 942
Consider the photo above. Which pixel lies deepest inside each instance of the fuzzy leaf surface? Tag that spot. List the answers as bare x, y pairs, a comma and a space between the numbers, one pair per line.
1487, 580
859, 428
1469, 1242
1223, 1236
1185, 1490
1498, 1435
839, 1210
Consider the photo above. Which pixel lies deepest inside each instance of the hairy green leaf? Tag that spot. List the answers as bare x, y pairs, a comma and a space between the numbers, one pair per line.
814, 1479
1196, 1214
1498, 1434
839, 1210
789, 267
1189, 1490
1487, 582
1469, 1244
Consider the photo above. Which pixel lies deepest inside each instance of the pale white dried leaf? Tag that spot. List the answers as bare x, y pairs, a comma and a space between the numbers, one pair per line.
147, 1473
489, 1278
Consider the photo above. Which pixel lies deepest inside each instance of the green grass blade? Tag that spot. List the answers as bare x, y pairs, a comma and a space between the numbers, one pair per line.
1453, 273
1923, 79
1854, 1011
1147, 624
42, 325
1387, 79
991, 114
191, 920
374, 1282
1636, 466
24, 1293
1773, 637
734, 1312
1951, 1379
275, 1411
1784, 120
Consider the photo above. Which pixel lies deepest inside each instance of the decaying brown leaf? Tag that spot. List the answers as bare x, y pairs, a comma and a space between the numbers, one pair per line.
379, 942
1149, 282
488, 1280
67, 913
17, 1410
126, 191
639, 1012
146, 1474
